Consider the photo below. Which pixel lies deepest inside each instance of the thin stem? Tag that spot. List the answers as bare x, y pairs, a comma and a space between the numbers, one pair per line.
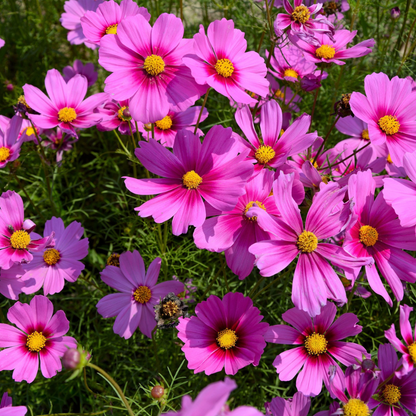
153, 131
351, 295
224, 273
271, 284
134, 146
399, 38
155, 349
261, 40
121, 142
325, 139
346, 158
212, 281
256, 286
354, 15
137, 131
202, 109
181, 9
405, 56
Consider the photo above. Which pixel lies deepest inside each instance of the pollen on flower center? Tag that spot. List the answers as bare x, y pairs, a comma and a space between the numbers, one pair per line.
154, 65
191, 180
51, 256
412, 351
4, 154
111, 30
35, 341
291, 73
67, 114
356, 407
114, 260
316, 344
249, 205
227, 339
142, 294
20, 239
389, 159
307, 242
391, 394
389, 125
325, 52
164, 124
224, 67
29, 131
368, 235
365, 135
121, 114
264, 154
301, 14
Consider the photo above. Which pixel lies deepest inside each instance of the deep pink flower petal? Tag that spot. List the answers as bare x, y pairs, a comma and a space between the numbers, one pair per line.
37, 100
10, 336
283, 334
244, 120
56, 88
405, 328
50, 364
289, 362
309, 381
167, 32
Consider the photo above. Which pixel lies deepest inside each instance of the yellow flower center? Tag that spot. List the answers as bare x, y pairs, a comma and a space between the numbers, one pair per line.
365, 135
412, 351
307, 242
227, 339
35, 341
22, 100
20, 239
264, 154
315, 164
142, 294
51, 256
120, 114
316, 344
224, 67
389, 125
111, 30
356, 407
154, 65
67, 114
114, 260
290, 73
301, 14
389, 159
165, 123
325, 52
191, 179
391, 394
368, 235
279, 94
4, 154
249, 205
29, 131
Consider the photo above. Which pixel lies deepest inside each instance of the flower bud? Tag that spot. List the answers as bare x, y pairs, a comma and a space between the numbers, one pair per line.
71, 359
9, 86
368, 365
126, 113
395, 13
157, 392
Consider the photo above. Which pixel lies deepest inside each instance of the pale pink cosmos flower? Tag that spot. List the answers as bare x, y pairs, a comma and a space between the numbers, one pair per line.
220, 60
88, 70
299, 405
105, 20
9, 141
39, 336
6, 408
66, 106
139, 293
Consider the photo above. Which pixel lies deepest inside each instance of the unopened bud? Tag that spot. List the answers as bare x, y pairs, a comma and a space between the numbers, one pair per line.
9, 86
126, 113
148, 127
368, 365
157, 392
395, 13
71, 359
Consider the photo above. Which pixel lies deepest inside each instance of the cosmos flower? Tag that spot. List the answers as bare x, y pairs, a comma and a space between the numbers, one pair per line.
9, 141
88, 70
2, 43
6, 408
299, 405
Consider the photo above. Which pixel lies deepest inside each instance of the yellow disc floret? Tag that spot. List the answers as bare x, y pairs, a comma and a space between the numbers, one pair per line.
191, 180
51, 256
227, 339
20, 239
154, 65
356, 407
301, 14
325, 52
164, 124
35, 341
316, 344
142, 294
114, 260
4, 154
249, 205
391, 394
224, 67
67, 114
111, 30
365, 135
368, 235
307, 242
389, 125
291, 73
264, 154
412, 351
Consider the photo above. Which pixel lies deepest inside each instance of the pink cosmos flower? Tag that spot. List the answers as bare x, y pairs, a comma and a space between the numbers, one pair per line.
319, 343
9, 143
220, 60
116, 114
299, 405
314, 280
52, 266
225, 333
66, 106
39, 336
167, 128
2, 43
88, 70
139, 294
71, 20
212, 171
6, 408
105, 20
27, 132
409, 349
233, 232
11, 284
212, 400
60, 141
146, 66
389, 111
16, 241
377, 235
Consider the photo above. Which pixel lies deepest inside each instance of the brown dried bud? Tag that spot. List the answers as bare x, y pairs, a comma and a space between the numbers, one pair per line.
157, 392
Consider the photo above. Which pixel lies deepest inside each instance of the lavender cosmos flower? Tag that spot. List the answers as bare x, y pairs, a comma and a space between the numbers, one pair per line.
299, 405
9, 143
88, 70
6, 408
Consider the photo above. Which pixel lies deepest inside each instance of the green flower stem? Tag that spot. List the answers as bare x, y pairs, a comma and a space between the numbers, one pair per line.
202, 109
345, 158
134, 146
76, 414
325, 139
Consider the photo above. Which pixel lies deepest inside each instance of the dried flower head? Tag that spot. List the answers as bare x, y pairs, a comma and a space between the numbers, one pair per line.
169, 310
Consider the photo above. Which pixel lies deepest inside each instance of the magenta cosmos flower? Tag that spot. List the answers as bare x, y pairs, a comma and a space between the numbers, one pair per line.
314, 280
9, 143
6, 408
11, 284
299, 405
394, 394
139, 294
104, 21
52, 266
17, 242
378, 235
389, 112
224, 333
39, 336
319, 343
146, 66
273, 148
66, 106
220, 60
71, 20
60, 141
234, 232
88, 70
116, 115
212, 171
